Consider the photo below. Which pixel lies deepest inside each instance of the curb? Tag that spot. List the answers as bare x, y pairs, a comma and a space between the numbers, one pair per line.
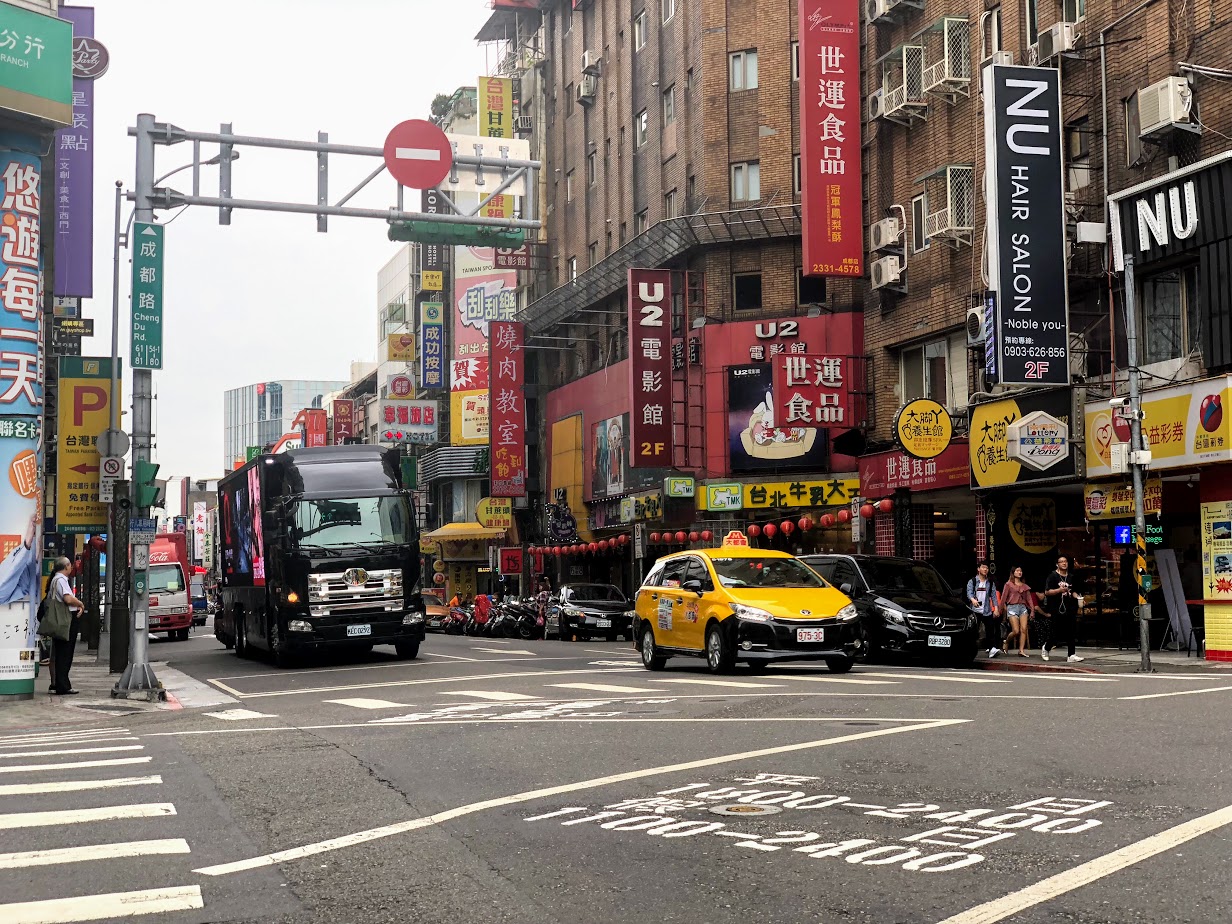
1028, 667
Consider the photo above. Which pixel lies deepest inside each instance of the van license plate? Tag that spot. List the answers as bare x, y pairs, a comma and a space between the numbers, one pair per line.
810, 635
603, 623
939, 641
359, 630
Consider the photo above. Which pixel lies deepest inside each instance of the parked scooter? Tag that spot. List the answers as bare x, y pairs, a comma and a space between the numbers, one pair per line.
456, 621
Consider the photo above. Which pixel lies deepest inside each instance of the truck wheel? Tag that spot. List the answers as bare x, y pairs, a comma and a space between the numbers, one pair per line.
407, 650
181, 635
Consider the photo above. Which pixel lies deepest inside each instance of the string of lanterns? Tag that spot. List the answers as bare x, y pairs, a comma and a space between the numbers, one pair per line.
581, 548
825, 521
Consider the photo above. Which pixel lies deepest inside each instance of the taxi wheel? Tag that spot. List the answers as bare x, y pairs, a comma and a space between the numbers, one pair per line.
839, 665
719, 656
651, 660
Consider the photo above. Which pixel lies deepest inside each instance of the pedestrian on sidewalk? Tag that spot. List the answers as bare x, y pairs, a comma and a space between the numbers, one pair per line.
1063, 602
982, 597
1040, 624
1016, 601
62, 622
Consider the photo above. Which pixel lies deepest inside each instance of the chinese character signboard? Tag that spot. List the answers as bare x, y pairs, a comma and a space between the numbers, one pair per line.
837, 492
1038, 440
344, 420
198, 523
650, 424
1026, 220
431, 256
513, 257
481, 295
74, 186
811, 391
408, 422
991, 462
400, 348
84, 413
432, 345
21, 289
885, 472
496, 121
507, 410
36, 64
314, 426
1116, 501
833, 225
510, 561
147, 295
923, 428
494, 513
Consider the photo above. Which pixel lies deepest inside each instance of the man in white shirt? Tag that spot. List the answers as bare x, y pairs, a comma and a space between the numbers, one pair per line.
61, 650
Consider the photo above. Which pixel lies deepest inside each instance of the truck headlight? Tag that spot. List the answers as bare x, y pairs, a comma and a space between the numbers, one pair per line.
892, 615
751, 613
412, 618
849, 613
299, 625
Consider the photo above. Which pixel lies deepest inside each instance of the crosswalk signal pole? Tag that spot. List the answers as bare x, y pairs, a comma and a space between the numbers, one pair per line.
1139, 458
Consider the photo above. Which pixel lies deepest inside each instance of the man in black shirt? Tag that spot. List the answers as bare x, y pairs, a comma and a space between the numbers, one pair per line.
1063, 602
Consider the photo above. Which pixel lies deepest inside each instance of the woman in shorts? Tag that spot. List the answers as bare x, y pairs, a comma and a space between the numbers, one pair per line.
1016, 602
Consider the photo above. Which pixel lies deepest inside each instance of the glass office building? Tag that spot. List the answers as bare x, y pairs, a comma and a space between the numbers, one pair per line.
258, 415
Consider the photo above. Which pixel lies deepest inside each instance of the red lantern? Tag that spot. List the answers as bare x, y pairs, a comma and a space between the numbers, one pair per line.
788, 527
844, 516
556, 550
622, 539
805, 524
654, 538
603, 543
827, 520
681, 537
695, 536
707, 535
770, 530
592, 547
867, 511
754, 530
885, 505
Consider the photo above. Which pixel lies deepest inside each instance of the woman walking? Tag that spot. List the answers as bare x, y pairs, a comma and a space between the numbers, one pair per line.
1016, 599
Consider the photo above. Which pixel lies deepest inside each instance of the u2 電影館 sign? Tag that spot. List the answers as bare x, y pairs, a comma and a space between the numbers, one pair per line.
1184, 424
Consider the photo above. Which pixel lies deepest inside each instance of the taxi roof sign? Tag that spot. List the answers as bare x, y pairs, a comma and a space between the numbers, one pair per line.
735, 537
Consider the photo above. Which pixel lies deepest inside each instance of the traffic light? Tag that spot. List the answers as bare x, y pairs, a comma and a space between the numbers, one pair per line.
460, 234
145, 490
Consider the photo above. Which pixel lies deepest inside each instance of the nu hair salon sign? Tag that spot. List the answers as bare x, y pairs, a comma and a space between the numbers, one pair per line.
1026, 220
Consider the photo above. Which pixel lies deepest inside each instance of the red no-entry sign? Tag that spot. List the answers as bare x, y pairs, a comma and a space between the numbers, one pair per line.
417, 154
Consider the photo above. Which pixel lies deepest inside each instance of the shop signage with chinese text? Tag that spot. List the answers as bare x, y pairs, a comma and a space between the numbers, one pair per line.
923, 428
21, 282
344, 420
988, 443
833, 493
84, 413
811, 391
432, 345
74, 149
507, 409
886, 472
646, 506
409, 422
678, 486
511, 561
1114, 501
494, 513
1039, 441
650, 421
36, 66
400, 348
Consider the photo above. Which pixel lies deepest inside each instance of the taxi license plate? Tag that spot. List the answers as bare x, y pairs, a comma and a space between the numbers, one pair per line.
939, 641
810, 635
359, 630
154, 620
603, 623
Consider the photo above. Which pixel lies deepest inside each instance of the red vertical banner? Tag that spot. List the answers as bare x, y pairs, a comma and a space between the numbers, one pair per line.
650, 354
507, 409
833, 216
313, 424
344, 420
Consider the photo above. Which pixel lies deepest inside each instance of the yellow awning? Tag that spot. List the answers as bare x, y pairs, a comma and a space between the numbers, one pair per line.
463, 532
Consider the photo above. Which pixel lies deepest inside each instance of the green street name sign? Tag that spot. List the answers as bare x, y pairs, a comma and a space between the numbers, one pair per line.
147, 301
36, 64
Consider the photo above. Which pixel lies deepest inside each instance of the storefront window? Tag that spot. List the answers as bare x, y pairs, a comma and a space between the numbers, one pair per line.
1169, 315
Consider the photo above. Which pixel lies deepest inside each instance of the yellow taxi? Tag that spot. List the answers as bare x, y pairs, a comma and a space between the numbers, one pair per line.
738, 603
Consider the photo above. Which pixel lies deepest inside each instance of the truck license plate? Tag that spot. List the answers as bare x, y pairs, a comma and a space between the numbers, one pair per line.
810, 635
603, 623
359, 630
939, 641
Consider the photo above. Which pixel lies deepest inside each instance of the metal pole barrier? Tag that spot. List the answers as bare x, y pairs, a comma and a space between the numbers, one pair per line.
117, 579
138, 679
1137, 471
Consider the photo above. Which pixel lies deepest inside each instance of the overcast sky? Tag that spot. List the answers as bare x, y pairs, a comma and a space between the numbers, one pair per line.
267, 297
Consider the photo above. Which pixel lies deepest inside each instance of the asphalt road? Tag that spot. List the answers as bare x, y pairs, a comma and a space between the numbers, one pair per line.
543, 782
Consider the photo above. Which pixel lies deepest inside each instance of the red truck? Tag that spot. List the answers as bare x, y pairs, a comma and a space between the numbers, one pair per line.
170, 604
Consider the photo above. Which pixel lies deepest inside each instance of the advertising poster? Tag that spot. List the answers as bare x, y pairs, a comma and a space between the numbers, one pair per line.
198, 523
21, 289
992, 463
468, 418
496, 121
257, 540
507, 409
833, 211
74, 182
400, 348
650, 354
756, 442
1026, 218
610, 457
1217, 550
20, 551
481, 294
84, 413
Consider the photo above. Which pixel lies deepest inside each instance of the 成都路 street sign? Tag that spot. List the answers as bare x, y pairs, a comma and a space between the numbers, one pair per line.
147, 297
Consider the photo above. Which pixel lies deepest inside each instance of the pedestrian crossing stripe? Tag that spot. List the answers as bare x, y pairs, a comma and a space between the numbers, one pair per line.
28, 858
605, 688
103, 907
495, 695
362, 703
235, 715
79, 816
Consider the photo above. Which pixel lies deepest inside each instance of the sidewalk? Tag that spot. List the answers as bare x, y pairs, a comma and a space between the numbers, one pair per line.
1106, 661
94, 703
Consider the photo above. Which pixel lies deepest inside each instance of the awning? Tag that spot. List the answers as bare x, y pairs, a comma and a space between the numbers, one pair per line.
463, 532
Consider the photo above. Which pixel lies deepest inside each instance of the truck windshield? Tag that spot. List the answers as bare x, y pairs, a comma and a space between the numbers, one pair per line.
198, 588
353, 520
166, 579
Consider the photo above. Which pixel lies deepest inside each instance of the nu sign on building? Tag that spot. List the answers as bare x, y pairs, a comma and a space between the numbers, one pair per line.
1026, 225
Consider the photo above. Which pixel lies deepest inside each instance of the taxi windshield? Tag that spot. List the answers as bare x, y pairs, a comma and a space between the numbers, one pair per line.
765, 572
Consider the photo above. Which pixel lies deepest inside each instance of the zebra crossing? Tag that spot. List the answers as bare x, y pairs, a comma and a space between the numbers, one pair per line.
79, 787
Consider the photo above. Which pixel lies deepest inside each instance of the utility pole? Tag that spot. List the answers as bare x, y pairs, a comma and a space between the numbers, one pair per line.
138, 679
1139, 458
117, 579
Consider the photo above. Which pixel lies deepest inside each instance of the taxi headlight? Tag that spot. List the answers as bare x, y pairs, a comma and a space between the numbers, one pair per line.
849, 613
750, 613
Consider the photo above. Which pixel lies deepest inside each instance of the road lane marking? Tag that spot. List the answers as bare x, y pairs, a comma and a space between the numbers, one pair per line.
1055, 886
604, 688
34, 789
28, 858
512, 651
824, 679
495, 695
65, 742
61, 736
79, 816
57, 753
362, 837
361, 703
949, 678
734, 684
439, 654
633, 655
77, 765
237, 715
1178, 693
102, 907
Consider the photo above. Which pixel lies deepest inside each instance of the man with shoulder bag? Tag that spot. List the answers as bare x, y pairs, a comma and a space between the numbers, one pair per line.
61, 622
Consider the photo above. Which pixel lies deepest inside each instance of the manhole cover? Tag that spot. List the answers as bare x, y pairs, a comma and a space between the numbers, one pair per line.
740, 809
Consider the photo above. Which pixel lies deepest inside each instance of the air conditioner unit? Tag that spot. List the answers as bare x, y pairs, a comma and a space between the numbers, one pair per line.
876, 104
1005, 58
590, 63
523, 124
587, 89
877, 10
977, 326
1164, 105
1058, 38
886, 272
884, 234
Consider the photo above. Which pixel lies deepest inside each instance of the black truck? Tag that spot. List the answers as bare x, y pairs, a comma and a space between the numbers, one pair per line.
318, 549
